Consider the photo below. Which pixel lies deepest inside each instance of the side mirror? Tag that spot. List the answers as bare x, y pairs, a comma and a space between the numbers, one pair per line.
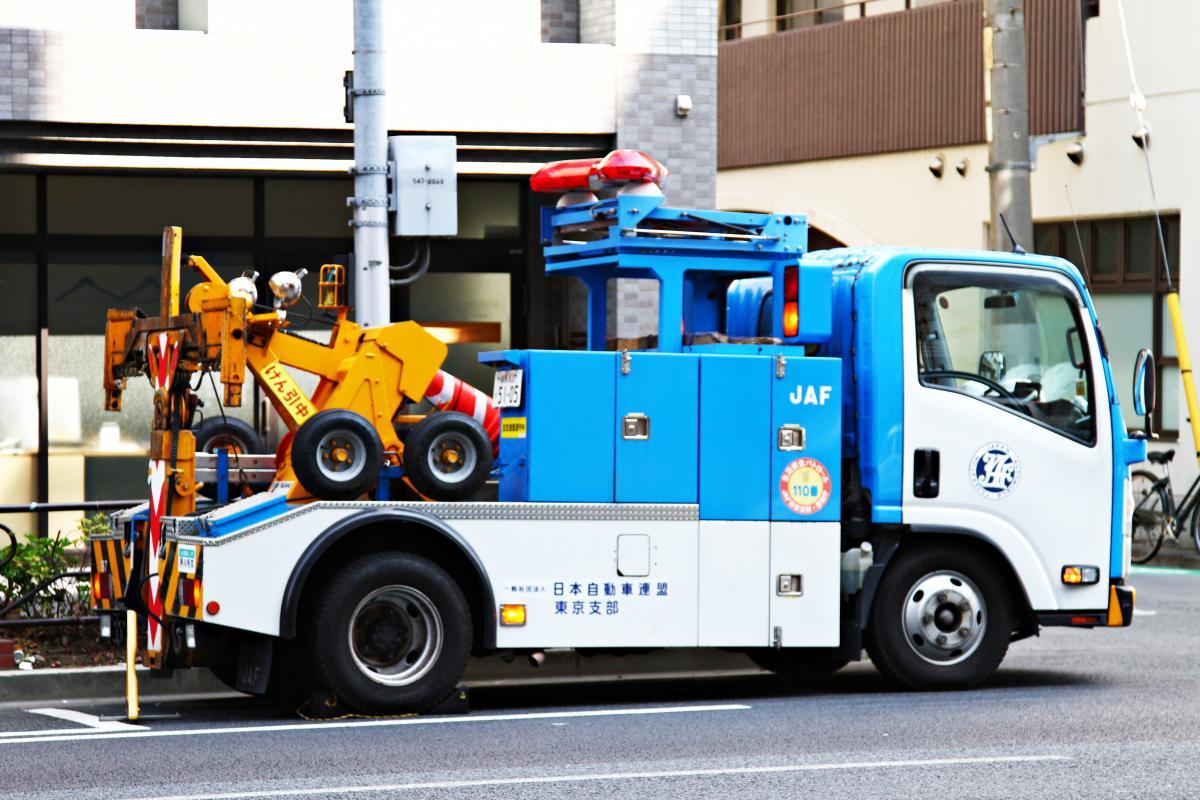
1145, 386
993, 364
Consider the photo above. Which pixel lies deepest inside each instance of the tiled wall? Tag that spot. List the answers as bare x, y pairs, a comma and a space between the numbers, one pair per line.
560, 21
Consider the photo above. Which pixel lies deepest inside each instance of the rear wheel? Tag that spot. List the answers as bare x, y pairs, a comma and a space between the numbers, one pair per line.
1150, 517
941, 619
391, 633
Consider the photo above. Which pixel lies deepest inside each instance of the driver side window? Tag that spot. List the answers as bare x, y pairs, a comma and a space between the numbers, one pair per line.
1009, 340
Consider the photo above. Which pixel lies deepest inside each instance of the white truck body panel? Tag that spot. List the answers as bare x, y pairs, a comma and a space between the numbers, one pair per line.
705, 583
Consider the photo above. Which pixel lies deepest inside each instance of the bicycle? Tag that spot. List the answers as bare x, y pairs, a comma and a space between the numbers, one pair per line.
1155, 513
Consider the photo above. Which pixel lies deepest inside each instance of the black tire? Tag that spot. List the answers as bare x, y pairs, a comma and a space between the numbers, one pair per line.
797, 666
239, 437
337, 455
1149, 523
374, 610
1196, 527
433, 442
915, 634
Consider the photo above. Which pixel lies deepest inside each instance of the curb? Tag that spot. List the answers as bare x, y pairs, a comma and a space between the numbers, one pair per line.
1180, 553
561, 666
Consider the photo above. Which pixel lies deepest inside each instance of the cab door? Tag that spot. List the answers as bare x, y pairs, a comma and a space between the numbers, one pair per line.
1006, 421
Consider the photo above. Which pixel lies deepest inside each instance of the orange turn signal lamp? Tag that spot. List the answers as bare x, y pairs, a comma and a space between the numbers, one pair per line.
1080, 575
512, 615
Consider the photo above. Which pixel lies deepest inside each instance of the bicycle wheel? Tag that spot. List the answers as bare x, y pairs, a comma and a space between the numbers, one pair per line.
1196, 526
1150, 516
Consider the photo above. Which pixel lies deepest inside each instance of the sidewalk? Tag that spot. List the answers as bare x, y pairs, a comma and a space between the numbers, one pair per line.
561, 666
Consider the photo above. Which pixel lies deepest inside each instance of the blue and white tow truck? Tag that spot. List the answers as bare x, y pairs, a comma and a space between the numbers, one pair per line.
918, 453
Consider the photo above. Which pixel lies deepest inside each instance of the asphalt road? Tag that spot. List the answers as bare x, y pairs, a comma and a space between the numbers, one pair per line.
1087, 714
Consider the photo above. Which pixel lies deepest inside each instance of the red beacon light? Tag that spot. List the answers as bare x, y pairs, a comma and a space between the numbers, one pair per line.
578, 179
631, 166
564, 176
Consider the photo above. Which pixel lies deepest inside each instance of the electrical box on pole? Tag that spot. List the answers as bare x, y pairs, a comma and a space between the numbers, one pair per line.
424, 198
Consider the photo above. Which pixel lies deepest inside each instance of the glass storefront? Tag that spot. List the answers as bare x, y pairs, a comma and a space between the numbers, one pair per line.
97, 236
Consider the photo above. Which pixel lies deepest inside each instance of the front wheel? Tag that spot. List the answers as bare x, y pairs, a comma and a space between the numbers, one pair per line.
391, 633
1150, 516
941, 619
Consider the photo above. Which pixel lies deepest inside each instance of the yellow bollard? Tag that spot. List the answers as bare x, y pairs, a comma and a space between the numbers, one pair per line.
131, 682
1185, 368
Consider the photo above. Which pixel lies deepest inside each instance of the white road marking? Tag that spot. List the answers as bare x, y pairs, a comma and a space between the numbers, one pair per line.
325, 791
70, 715
1143, 612
88, 720
147, 733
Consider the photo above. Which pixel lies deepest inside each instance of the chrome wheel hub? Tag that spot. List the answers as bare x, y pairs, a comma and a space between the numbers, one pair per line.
395, 635
944, 617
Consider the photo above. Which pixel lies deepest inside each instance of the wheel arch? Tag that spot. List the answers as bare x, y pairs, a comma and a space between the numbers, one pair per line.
382, 530
1025, 621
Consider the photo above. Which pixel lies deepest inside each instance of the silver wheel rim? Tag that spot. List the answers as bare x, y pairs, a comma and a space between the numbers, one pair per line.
944, 618
341, 456
451, 457
395, 635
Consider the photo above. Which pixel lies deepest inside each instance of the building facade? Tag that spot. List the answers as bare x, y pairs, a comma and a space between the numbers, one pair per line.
118, 117
870, 118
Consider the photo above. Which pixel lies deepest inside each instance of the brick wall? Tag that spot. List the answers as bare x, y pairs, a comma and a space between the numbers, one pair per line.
157, 14
666, 48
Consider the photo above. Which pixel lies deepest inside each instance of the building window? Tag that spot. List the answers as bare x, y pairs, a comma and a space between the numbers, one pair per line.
793, 14
1122, 262
731, 20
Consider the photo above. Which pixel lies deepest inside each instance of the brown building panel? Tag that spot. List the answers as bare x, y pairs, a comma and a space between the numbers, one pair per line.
901, 81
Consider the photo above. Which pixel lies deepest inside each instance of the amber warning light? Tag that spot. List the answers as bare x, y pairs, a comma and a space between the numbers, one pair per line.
791, 300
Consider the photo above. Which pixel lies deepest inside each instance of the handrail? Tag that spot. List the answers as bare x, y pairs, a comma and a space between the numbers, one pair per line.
12, 546
88, 505
812, 12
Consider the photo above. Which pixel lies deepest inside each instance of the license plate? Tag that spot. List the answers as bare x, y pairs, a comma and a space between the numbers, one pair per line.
507, 390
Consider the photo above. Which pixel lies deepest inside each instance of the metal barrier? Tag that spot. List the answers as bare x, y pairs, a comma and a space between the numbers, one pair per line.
94, 505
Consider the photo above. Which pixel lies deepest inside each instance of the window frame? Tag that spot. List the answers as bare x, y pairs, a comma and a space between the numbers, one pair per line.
1061, 233
1070, 294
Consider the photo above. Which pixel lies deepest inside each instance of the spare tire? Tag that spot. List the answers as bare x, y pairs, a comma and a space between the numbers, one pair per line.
337, 455
237, 437
448, 456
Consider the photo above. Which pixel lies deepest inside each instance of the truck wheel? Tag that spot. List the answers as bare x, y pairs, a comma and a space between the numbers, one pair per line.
942, 619
448, 456
231, 433
337, 455
391, 633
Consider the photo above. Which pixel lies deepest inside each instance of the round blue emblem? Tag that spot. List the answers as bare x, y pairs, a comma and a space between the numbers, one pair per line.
995, 470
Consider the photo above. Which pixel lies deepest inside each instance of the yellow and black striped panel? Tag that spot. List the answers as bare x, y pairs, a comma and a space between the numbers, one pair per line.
100, 567
169, 579
108, 561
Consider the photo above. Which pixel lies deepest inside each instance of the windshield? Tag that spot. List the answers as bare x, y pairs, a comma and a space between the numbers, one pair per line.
1008, 339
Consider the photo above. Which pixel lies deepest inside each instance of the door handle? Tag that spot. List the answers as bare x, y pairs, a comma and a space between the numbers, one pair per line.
926, 472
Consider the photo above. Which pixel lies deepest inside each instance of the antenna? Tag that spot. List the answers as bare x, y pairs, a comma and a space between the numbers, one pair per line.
1016, 247
1078, 239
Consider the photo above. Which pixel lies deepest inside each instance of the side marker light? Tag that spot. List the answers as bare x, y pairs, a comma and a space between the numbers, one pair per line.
1079, 575
512, 615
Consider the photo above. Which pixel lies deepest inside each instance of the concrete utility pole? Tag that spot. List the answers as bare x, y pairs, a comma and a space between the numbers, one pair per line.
372, 297
1006, 102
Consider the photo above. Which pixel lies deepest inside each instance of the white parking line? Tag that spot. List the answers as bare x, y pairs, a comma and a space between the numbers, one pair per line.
147, 733
325, 791
69, 715
1143, 612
